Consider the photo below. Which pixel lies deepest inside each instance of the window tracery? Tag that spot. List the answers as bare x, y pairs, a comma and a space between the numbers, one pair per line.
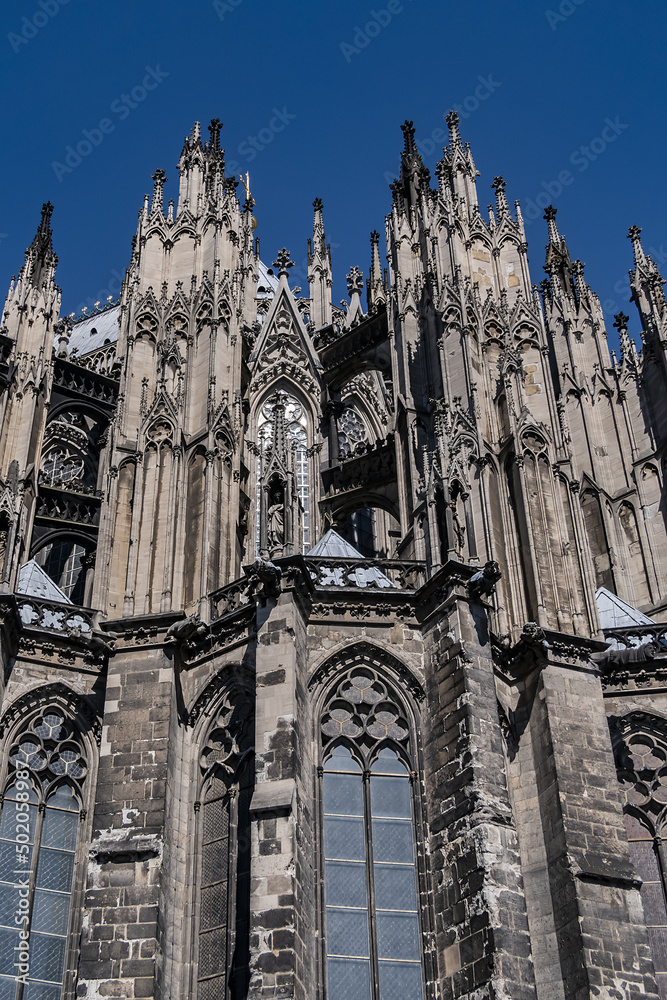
70, 453
296, 427
64, 560
351, 432
372, 919
39, 826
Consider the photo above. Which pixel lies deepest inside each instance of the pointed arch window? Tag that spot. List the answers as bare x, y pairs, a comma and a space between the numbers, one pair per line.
372, 919
296, 425
39, 826
223, 910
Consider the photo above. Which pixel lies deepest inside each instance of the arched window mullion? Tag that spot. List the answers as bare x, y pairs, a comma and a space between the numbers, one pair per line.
46, 753
37, 840
219, 955
370, 882
366, 736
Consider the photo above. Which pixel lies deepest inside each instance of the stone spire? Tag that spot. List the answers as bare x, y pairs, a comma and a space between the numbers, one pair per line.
355, 283
558, 264
458, 167
191, 171
648, 294
159, 180
40, 260
502, 208
215, 162
375, 290
319, 271
414, 177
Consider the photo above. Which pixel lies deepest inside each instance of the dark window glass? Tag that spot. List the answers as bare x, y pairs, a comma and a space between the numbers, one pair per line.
372, 920
35, 880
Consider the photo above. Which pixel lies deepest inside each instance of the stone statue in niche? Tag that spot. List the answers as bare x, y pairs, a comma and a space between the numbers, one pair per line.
458, 527
276, 520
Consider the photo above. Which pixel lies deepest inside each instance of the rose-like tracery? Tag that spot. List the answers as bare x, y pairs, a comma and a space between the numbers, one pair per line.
642, 773
363, 709
49, 748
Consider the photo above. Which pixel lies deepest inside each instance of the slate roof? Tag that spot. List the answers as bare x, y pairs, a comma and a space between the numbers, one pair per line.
105, 325
34, 582
333, 546
615, 613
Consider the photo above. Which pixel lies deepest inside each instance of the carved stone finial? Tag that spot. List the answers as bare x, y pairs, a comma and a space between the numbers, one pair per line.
550, 217
214, 130
634, 234
159, 180
317, 204
408, 131
282, 262
355, 281
452, 120
621, 321
499, 186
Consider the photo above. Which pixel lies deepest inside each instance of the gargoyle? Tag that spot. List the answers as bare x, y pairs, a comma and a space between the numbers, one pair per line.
189, 629
619, 657
483, 583
263, 578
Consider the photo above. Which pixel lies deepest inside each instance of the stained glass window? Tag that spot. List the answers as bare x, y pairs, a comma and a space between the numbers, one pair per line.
372, 921
39, 826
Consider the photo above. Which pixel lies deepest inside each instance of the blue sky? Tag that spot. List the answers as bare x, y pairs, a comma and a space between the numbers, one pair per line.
312, 100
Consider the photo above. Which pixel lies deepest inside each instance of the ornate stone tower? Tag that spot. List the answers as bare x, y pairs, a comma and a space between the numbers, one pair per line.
303, 609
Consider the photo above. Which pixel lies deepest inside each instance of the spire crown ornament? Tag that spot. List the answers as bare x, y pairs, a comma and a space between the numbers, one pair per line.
283, 262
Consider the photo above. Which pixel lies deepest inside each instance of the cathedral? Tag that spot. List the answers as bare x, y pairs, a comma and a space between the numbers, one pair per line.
333, 637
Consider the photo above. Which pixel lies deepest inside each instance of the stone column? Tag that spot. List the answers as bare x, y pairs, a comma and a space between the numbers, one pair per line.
119, 942
482, 939
583, 894
282, 899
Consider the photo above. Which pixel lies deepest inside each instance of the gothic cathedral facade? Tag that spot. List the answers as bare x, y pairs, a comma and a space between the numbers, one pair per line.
331, 642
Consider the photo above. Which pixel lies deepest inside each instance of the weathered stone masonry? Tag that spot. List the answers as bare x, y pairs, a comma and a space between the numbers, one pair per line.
272, 569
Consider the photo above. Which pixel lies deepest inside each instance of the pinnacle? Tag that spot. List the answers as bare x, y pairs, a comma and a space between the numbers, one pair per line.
499, 186
408, 130
214, 130
42, 238
453, 126
634, 234
355, 281
550, 216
